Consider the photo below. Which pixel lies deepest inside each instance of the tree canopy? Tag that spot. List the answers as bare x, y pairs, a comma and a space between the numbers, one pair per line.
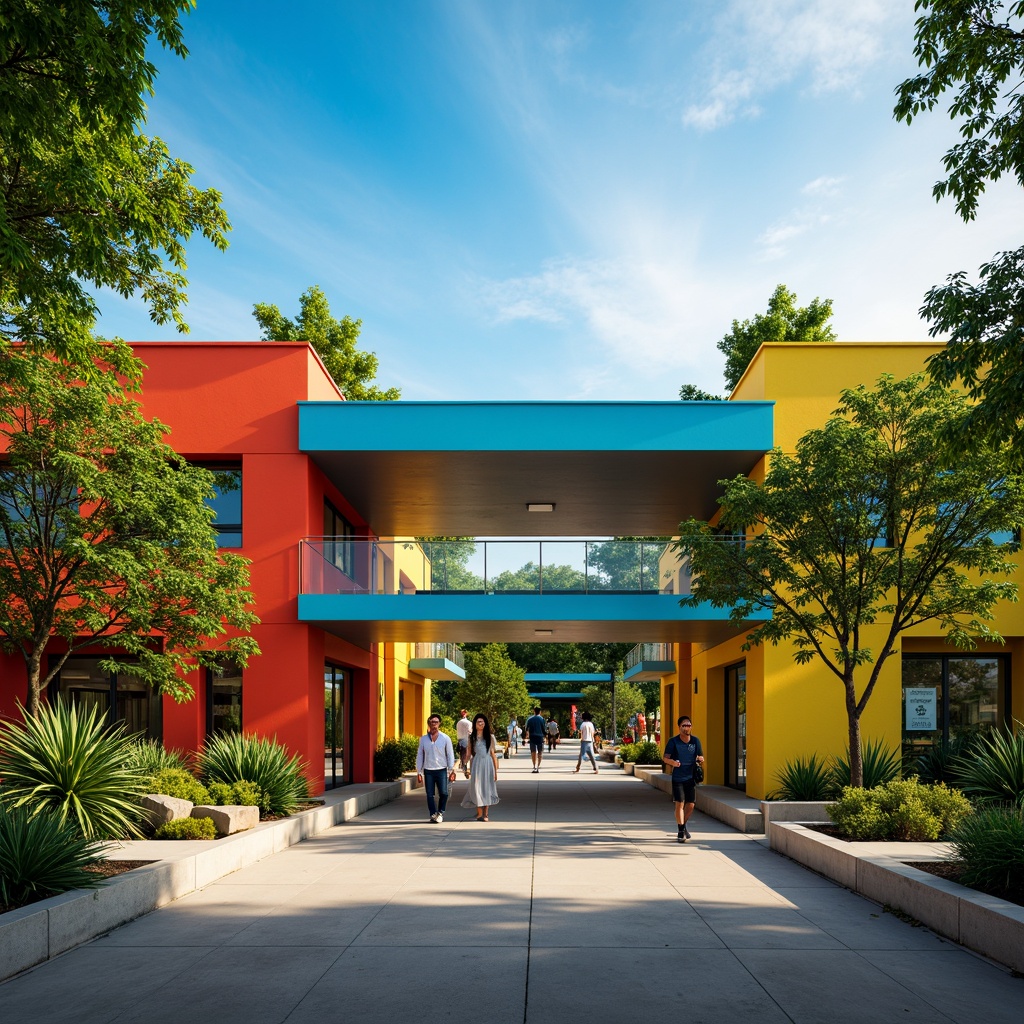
975, 48
876, 521
105, 536
88, 201
493, 685
334, 341
692, 393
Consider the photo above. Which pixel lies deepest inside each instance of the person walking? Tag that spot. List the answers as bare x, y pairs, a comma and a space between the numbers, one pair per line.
435, 767
587, 733
514, 732
535, 730
482, 792
552, 733
682, 752
463, 727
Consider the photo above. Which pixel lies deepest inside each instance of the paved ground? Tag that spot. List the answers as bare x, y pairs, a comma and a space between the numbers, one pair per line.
574, 903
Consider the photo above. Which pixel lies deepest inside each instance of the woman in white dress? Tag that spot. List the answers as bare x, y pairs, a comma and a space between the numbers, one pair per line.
482, 791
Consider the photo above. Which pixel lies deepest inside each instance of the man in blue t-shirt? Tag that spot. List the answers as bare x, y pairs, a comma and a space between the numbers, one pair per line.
536, 728
682, 752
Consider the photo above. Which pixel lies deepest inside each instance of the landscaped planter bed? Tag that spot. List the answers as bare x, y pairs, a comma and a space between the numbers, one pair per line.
42, 930
883, 872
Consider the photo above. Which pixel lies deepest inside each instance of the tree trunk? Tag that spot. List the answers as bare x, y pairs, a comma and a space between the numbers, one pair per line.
33, 665
853, 723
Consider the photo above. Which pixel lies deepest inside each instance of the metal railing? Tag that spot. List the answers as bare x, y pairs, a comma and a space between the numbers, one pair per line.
648, 652
439, 650
329, 565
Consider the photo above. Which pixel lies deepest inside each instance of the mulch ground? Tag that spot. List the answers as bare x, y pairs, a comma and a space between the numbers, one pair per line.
104, 868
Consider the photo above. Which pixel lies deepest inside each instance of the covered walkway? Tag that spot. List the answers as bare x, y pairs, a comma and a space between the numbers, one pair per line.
573, 903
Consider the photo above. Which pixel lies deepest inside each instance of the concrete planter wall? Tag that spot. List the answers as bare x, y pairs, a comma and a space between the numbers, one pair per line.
35, 933
983, 923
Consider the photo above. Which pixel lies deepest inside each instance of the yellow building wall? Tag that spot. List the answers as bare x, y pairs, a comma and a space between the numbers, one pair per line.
797, 710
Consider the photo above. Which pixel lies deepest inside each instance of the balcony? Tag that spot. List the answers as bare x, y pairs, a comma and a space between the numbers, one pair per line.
648, 662
437, 661
402, 589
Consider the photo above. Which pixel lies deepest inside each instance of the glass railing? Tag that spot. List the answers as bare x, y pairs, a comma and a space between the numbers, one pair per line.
331, 565
648, 652
449, 651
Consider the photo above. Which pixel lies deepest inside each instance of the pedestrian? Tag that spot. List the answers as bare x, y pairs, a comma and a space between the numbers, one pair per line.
682, 752
482, 792
463, 727
641, 728
535, 729
587, 733
552, 731
514, 732
435, 767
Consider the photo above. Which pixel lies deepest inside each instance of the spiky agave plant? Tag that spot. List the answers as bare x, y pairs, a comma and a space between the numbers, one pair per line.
41, 856
280, 775
68, 763
993, 771
809, 778
881, 763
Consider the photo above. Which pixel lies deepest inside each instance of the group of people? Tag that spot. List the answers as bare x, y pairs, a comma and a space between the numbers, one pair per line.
478, 759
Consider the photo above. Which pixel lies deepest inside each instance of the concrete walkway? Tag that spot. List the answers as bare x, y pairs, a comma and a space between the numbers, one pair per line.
574, 903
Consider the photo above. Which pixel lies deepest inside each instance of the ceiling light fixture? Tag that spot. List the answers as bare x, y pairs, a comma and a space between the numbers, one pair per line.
540, 506
543, 632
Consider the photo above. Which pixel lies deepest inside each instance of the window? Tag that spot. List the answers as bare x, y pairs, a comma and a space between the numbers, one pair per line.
338, 534
224, 698
226, 503
946, 696
118, 695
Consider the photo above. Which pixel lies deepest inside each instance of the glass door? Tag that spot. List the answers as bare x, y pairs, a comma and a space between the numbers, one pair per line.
736, 726
334, 726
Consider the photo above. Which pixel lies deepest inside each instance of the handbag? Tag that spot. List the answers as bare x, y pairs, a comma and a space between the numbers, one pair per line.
698, 772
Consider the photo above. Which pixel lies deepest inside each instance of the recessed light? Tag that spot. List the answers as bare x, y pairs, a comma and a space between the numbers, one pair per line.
540, 506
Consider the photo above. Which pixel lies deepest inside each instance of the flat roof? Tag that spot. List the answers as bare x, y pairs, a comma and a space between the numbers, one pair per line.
470, 468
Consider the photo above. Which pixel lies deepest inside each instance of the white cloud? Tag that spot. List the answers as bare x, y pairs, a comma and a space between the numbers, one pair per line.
755, 47
823, 186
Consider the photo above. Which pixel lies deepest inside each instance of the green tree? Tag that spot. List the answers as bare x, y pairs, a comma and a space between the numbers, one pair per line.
529, 578
875, 522
334, 341
625, 563
597, 699
976, 48
88, 201
104, 534
692, 393
568, 657
449, 563
493, 685
784, 321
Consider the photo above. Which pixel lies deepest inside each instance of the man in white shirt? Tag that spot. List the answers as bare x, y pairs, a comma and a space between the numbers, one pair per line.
435, 767
463, 727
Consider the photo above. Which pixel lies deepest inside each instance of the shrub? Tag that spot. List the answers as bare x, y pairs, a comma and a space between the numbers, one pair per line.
647, 753
388, 761
42, 855
901, 809
881, 763
265, 763
179, 783
150, 757
187, 828
410, 748
240, 794
805, 779
993, 771
627, 752
70, 764
989, 846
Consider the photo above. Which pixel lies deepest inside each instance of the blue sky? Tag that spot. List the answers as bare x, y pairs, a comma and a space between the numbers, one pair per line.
559, 200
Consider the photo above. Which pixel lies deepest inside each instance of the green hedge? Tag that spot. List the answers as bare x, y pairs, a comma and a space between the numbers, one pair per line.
187, 828
903, 809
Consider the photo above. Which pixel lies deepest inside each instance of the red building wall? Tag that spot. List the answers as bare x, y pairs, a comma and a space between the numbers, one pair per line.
236, 402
